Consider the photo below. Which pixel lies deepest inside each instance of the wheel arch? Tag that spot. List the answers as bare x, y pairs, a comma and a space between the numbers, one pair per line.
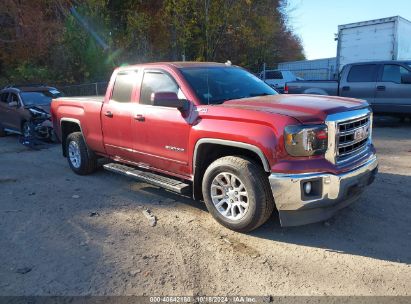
68, 126
208, 150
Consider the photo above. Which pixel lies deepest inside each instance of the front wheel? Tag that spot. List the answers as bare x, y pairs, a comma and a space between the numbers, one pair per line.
237, 193
80, 159
26, 130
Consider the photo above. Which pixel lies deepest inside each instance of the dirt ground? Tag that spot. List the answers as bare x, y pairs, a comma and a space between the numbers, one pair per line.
62, 234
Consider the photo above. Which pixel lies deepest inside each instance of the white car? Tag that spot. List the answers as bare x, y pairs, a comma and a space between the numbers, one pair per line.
278, 78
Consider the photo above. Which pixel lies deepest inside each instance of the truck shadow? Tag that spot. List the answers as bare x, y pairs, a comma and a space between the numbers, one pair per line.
376, 226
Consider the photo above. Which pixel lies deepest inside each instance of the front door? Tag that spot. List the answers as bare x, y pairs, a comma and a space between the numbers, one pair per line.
116, 116
163, 143
393, 96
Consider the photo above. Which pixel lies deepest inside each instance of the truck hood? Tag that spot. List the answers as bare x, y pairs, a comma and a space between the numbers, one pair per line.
308, 109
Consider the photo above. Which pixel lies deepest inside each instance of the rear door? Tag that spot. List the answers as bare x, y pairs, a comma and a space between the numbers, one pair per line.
360, 82
16, 112
116, 116
393, 96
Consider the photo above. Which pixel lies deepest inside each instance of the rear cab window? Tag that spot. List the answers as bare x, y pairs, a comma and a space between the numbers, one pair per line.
123, 86
363, 73
393, 73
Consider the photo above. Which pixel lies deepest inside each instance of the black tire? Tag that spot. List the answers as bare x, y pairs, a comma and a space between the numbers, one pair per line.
2, 132
260, 199
26, 130
52, 137
87, 159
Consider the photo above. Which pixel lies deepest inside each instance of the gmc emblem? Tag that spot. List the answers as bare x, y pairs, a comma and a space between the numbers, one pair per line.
361, 133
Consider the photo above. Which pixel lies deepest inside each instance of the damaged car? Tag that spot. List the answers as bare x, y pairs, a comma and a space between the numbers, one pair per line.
25, 110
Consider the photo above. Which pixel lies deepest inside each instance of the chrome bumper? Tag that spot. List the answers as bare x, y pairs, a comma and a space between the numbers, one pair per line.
332, 192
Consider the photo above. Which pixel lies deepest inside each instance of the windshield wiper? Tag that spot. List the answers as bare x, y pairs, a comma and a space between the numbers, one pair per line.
219, 101
259, 94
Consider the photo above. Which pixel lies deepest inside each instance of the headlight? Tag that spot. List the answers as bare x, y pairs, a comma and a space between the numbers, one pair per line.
306, 140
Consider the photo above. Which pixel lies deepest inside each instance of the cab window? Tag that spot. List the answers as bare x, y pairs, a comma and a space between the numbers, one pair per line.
123, 86
14, 98
393, 73
274, 75
155, 82
363, 73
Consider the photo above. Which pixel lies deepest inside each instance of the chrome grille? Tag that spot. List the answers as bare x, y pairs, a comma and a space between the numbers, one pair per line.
352, 137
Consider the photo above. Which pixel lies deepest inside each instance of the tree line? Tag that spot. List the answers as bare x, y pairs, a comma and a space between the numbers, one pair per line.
73, 41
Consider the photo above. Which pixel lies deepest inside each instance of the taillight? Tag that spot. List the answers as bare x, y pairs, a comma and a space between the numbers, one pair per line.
286, 89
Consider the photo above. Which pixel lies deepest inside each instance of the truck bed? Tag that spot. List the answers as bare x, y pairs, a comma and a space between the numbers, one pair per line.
99, 99
86, 111
319, 87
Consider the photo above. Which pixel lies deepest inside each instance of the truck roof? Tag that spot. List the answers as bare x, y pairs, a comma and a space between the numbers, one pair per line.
178, 64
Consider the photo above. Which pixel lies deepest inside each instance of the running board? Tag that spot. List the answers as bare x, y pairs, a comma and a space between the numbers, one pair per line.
148, 177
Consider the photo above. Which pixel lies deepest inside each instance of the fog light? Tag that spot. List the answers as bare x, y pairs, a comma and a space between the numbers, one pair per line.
307, 187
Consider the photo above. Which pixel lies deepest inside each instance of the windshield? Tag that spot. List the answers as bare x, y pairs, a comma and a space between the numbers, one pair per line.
214, 85
39, 98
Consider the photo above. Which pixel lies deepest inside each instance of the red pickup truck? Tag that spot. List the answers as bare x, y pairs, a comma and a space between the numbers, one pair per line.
222, 135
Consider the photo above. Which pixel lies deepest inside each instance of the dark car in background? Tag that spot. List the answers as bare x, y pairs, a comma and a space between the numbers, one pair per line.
25, 110
386, 85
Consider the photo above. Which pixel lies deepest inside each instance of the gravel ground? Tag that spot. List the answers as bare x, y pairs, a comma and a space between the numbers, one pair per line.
62, 234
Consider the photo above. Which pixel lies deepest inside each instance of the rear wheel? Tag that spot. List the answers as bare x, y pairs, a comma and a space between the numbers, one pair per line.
237, 193
80, 159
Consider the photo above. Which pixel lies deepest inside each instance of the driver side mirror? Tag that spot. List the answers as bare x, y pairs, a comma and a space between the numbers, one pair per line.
170, 100
406, 79
13, 104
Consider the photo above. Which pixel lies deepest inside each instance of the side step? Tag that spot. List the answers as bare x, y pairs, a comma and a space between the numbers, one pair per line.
148, 177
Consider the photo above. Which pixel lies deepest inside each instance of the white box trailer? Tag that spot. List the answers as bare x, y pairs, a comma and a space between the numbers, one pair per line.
373, 40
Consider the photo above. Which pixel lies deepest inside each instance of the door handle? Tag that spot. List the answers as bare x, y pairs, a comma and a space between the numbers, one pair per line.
108, 114
380, 88
346, 88
139, 117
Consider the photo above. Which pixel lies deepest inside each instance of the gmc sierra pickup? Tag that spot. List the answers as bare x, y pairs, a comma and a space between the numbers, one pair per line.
386, 85
222, 135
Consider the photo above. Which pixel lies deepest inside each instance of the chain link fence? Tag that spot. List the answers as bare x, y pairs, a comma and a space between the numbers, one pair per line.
87, 89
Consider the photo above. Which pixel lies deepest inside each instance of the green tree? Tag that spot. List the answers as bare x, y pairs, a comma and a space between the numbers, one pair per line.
41, 40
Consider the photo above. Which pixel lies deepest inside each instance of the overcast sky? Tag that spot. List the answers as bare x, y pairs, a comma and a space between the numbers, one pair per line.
316, 21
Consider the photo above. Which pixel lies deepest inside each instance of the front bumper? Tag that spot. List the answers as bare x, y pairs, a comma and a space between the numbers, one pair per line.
330, 194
